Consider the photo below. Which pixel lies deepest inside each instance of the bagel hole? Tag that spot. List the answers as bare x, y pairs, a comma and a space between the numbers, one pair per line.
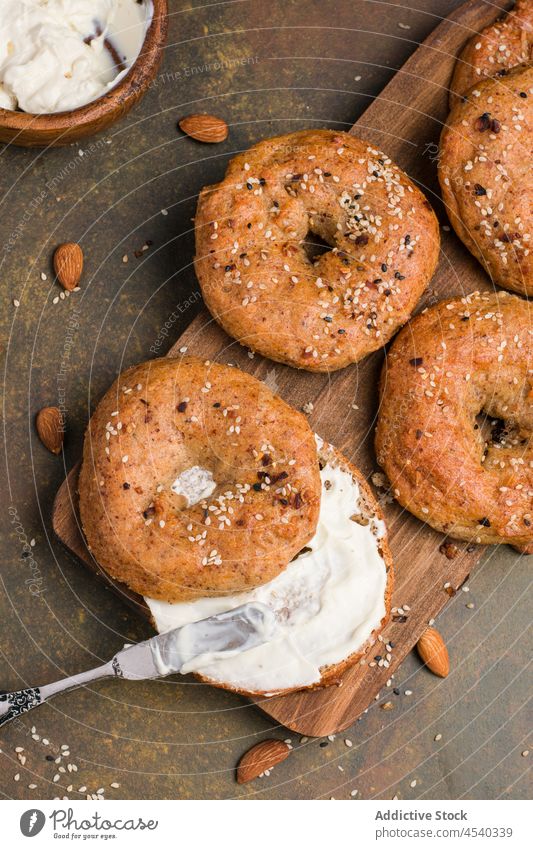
315, 246
494, 431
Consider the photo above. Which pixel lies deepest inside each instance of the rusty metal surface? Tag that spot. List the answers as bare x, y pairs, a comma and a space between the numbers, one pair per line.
304, 64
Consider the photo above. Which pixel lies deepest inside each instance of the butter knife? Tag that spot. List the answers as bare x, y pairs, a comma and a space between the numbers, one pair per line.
181, 650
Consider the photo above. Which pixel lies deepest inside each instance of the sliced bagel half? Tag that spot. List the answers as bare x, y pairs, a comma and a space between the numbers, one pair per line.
331, 601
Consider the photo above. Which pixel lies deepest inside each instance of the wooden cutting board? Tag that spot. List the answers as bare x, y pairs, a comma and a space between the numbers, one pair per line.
405, 121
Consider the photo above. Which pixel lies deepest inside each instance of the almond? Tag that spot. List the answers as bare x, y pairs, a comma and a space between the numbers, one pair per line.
204, 128
49, 423
68, 264
261, 757
433, 652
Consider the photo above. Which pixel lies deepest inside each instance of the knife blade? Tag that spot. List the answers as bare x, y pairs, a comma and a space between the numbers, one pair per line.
178, 651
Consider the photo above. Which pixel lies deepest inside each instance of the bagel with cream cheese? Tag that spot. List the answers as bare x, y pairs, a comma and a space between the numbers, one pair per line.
196, 480
331, 602
260, 239
300, 532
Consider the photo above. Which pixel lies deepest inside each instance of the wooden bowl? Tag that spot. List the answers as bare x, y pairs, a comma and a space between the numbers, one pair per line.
58, 128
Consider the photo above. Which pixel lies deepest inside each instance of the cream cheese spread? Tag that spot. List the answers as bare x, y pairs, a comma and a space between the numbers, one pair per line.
221, 636
327, 601
57, 55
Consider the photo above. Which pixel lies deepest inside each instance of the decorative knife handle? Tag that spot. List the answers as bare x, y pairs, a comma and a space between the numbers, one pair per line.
21, 701
14, 704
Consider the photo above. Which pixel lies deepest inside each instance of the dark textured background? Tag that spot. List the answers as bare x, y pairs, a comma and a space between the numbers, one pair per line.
266, 68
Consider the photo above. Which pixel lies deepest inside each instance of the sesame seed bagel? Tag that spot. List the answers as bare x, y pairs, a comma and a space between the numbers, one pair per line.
297, 601
196, 480
455, 426
486, 176
496, 49
260, 231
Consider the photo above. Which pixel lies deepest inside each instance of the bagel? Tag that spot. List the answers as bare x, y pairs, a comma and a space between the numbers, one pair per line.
486, 177
317, 554
496, 49
332, 601
455, 425
259, 231
196, 480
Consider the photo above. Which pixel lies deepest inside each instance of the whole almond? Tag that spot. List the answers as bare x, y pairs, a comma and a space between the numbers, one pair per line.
204, 128
68, 264
261, 757
433, 652
49, 425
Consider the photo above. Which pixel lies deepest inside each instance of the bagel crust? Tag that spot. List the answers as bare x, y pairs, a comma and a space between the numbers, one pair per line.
496, 49
257, 253
455, 428
168, 416
486, 176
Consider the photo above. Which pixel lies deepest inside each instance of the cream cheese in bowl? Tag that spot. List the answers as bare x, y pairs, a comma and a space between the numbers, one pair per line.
326, 602
57, 55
